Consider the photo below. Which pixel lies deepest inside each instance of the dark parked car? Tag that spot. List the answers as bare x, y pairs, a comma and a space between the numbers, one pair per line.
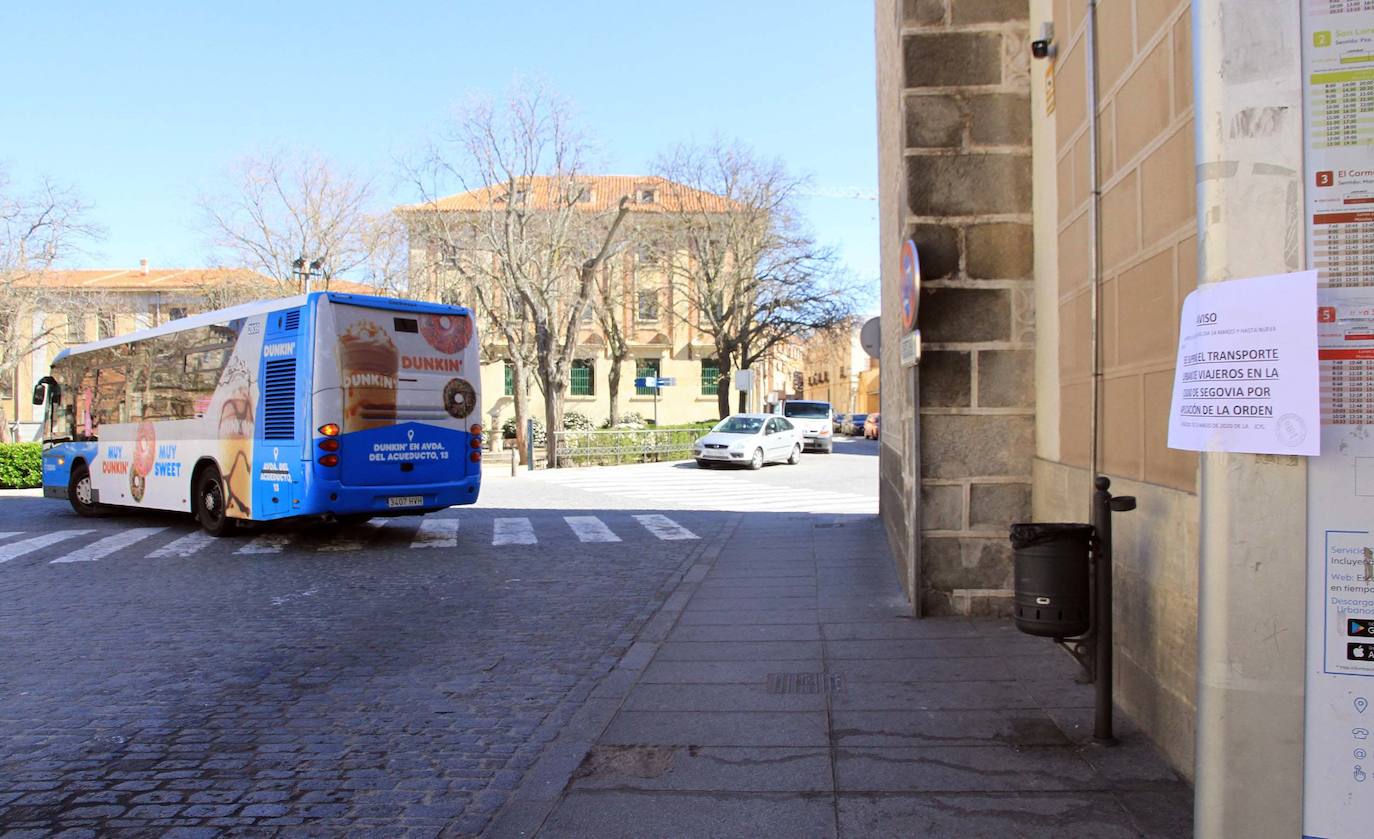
854, 424
837, 423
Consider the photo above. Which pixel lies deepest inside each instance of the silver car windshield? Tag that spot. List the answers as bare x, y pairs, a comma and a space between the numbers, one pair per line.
739, 425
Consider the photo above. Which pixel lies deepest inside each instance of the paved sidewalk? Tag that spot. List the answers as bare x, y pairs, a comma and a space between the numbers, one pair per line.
781, 692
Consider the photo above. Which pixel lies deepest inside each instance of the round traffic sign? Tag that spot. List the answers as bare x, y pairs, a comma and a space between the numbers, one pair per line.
911, 284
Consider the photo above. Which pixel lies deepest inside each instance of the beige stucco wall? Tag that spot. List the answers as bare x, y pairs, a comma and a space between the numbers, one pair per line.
1149, 258
683, 402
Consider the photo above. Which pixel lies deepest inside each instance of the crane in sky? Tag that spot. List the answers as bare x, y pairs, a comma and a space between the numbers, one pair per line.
841, 192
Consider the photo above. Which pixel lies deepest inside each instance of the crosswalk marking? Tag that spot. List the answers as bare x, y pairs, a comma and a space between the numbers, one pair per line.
267, 543
14, 550
665, 528
590, 529
436, 533
431, 533
188, 545
102, 548
516, 531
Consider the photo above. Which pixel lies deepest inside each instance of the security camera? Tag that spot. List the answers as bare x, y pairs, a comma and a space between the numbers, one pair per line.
1043, 47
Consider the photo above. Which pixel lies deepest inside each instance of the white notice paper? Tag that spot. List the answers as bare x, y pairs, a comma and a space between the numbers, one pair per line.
1246, 378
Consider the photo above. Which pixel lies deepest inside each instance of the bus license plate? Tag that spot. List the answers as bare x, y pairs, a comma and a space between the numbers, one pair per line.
405, 501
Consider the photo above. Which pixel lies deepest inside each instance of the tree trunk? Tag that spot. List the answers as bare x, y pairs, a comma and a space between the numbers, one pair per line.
613, 383
553, 416
723, 389
520, 380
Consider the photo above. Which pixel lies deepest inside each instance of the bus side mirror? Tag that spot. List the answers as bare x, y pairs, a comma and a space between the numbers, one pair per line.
47, 389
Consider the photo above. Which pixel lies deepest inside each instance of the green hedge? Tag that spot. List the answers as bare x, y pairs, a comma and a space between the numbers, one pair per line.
21, 465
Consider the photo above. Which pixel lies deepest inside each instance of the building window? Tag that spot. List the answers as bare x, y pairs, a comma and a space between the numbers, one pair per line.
509, 370
76, 329
647, 307
587, 312
177, 312
583, 381
710, 377
104, 325
648, 195
646, 367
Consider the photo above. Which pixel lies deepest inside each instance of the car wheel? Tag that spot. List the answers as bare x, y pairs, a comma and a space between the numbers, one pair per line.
756, 462
701, 464
796, 455
80, 493
208, 503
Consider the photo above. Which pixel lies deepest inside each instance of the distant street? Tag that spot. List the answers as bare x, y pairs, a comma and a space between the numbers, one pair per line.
400, 675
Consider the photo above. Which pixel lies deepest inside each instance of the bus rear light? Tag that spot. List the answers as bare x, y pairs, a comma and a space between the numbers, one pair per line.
329, 460
475, 442
475, 457
329, 429
329, 444
475, 429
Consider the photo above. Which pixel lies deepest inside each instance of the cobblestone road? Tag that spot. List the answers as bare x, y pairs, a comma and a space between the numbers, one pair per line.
379, 690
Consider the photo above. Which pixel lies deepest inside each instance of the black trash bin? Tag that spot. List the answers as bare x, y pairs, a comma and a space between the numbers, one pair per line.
1051, 594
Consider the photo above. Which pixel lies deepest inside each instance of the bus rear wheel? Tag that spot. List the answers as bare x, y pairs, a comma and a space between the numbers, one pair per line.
208, 503
80, 493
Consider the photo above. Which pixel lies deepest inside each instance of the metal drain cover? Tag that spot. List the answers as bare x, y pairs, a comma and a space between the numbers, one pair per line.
805, 683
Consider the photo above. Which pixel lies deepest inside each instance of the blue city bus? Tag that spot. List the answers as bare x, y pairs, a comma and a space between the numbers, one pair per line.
324, 406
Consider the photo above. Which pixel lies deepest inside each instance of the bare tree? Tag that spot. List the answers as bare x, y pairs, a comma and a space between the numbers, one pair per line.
38, 228
613, 301
528, 234
284, 206
750, 274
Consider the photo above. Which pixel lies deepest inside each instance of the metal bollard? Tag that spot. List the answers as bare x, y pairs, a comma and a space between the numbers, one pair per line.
1103, 507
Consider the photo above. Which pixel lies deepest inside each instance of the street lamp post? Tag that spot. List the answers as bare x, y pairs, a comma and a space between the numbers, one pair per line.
304, 272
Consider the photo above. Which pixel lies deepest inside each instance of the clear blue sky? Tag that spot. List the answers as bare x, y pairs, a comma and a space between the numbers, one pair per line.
141, 106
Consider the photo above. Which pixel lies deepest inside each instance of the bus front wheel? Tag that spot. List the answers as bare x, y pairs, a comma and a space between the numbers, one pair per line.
80, 493
209, 503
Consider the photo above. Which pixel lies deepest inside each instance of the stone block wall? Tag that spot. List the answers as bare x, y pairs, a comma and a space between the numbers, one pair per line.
966, 143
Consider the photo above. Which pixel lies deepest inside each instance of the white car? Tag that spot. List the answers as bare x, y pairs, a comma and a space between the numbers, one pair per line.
815, 420
749, 440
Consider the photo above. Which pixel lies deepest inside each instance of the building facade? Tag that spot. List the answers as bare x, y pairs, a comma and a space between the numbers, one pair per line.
840, 372
92, 304
657, 318
1063, 209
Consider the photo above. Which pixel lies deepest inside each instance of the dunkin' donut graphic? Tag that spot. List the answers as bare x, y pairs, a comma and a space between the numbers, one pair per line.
368, 360
145, 450
449, 334
459, 398
145, 454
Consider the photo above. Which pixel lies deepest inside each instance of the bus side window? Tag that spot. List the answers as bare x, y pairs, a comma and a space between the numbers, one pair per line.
111, 402
203, 367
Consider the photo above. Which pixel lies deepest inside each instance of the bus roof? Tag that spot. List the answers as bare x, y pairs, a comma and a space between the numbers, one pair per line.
259, 308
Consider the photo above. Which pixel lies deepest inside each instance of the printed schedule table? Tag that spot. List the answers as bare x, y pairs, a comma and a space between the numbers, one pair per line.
1347, 387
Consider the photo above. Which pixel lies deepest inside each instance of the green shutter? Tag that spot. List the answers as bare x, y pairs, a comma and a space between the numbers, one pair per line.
510, 378
582, 378
710, 377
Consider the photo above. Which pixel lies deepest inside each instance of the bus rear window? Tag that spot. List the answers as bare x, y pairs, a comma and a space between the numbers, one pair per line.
407, 325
